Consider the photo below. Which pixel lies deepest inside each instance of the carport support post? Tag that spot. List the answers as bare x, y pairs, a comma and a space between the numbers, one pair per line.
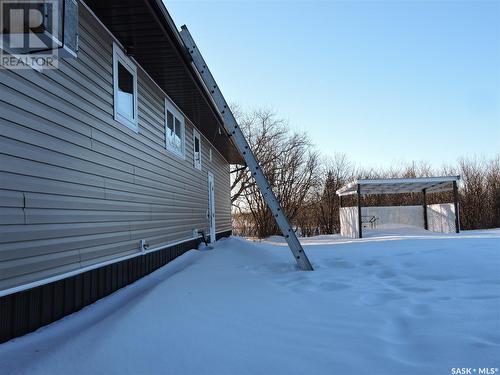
360, 226
455, 202
424, 204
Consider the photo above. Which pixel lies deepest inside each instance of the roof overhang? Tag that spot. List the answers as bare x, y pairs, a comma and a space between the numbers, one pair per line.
148, 33
399, 185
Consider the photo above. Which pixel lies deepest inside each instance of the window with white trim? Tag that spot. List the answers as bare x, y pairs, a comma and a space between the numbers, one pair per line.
196, 149
125, 89
210, 154
174, 129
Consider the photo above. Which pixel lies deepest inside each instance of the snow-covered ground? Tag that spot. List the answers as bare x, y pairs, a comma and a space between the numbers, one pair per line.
393, 303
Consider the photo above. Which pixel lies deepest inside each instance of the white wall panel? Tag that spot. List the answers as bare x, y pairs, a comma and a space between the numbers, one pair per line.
441, 217
402, 215
349, 222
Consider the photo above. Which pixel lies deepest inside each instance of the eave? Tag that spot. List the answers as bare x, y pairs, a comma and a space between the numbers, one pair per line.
148, 33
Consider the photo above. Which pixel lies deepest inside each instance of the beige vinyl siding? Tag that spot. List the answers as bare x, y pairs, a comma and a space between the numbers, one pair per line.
77, 187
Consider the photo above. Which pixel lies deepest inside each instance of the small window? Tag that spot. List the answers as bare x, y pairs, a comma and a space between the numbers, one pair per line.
197, 149
210, 154
125, 89
174, 129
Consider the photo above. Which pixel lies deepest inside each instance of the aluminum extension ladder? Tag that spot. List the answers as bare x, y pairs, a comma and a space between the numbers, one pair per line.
244, 149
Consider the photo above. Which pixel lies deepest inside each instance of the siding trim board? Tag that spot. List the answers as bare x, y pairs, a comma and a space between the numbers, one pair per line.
225, 234
27, 310
71, 273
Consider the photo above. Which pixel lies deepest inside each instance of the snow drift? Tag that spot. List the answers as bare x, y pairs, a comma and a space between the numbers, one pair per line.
392, 303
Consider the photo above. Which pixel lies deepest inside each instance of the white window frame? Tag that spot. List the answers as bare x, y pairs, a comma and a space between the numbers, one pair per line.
120, 57
196, 163
169, 106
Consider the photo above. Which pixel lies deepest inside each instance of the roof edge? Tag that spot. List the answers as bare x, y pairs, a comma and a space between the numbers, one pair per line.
351, 188
187, 59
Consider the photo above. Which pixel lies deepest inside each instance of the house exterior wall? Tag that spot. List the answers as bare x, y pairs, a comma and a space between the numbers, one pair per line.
78, 188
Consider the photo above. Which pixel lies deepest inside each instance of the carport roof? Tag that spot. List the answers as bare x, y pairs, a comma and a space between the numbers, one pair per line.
399, 185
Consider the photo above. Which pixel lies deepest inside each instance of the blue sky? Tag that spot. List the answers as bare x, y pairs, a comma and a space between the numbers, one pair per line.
382, 82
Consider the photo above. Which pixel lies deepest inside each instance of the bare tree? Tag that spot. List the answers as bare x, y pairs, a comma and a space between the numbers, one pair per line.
289, 163
337, 171
493, 183
479, 192
306, 186
262, 130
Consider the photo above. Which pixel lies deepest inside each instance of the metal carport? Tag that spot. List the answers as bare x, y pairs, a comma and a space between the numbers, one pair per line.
421, 185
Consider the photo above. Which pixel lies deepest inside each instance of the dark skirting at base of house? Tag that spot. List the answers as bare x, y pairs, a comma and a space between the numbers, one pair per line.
28, 310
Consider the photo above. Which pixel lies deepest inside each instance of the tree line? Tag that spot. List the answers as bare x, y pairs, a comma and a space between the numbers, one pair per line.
306, 182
